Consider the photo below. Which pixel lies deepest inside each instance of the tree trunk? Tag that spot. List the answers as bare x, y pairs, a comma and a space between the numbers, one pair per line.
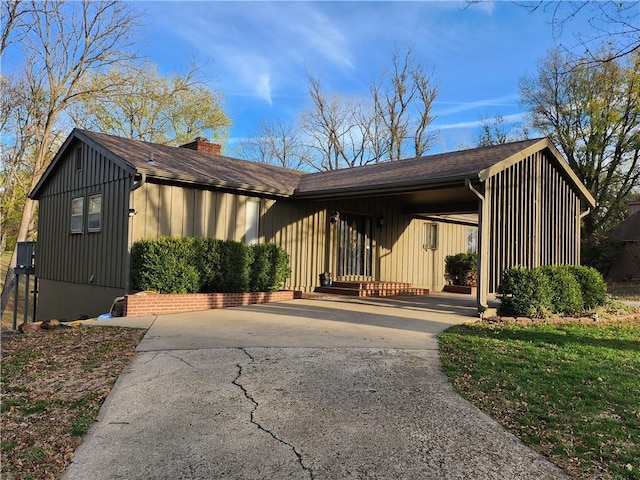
23, 234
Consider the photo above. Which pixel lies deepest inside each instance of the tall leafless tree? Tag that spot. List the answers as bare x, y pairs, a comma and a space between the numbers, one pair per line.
61, 43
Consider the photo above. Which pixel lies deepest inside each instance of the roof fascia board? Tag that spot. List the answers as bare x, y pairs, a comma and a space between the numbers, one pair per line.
77, 134
543, 144
383, 190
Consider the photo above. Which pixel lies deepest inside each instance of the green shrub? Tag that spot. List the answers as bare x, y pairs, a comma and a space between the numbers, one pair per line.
166, 265
269, 269
460, 269
208, 263
592, 285
235, 267
566, 295
188, 265
524, 292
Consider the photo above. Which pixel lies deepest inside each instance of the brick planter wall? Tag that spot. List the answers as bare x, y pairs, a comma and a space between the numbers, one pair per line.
163, 304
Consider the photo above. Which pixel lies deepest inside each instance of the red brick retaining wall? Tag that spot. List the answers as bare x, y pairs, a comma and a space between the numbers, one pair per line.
162, 304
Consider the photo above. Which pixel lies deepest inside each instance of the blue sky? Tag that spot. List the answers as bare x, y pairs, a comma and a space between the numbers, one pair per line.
258, 54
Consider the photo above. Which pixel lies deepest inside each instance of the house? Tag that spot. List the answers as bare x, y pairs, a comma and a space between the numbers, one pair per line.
389, 222
626, 264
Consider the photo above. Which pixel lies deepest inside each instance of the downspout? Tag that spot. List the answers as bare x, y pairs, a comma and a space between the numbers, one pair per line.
579, 239
139, 179
482, 271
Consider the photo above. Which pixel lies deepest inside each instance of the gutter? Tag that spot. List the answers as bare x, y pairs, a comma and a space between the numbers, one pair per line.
139, 179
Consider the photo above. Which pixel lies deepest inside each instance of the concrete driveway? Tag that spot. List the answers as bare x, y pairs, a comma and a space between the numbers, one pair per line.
307, 389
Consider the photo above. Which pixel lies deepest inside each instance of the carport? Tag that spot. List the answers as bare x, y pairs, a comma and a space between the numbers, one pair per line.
523, 197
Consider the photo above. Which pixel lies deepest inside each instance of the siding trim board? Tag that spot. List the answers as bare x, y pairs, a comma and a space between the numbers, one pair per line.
527, 200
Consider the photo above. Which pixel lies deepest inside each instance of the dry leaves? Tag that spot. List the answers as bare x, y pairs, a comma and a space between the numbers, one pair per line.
53, 383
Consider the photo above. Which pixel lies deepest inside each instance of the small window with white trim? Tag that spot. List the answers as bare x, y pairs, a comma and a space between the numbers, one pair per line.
77, 214
430, 236
94, 217
252, 230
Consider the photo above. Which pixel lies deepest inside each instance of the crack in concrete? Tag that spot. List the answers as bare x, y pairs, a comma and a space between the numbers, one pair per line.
178, 358
253, 420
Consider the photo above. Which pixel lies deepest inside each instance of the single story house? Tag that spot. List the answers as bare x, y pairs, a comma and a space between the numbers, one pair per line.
389, 222
626, 264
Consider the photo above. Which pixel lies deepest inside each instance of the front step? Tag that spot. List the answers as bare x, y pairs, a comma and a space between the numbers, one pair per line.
371, 289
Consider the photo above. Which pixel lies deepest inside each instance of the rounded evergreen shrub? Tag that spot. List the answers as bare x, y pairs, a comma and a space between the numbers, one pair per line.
165, 265
566, 295
460, 268
524, 292
592, 285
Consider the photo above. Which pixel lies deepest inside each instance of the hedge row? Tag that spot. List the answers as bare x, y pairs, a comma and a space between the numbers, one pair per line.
557, 289
192, 265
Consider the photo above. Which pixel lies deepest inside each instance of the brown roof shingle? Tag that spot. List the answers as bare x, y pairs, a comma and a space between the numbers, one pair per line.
628, 230
182, 164
427, 170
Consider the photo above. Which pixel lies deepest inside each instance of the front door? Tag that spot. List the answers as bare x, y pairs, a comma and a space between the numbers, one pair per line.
354, 250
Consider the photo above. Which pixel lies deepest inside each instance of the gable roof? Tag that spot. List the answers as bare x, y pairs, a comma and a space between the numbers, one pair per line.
200, 168
628, 230
434, 170
184, 165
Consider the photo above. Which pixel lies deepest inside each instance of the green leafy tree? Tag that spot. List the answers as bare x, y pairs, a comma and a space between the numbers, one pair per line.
592, 113
60, 43
147, 106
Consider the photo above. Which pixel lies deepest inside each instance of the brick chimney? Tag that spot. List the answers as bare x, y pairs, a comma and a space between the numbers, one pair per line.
201, 144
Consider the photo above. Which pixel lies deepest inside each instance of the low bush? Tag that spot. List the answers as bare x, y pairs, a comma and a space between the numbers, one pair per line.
166, 265
524, 292
557, 289
189, 265
460, 269
592, 285
565, 291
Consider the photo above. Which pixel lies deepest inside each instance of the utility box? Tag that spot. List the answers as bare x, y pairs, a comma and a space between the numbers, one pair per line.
26, 261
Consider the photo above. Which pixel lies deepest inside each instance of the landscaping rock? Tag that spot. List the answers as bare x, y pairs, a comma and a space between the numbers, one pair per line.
30, 327
50, 324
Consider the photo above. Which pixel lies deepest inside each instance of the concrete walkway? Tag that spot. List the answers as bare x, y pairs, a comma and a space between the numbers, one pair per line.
307, 389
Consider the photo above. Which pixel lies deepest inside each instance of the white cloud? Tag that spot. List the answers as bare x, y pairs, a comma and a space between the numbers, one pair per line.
507, 119
510, 100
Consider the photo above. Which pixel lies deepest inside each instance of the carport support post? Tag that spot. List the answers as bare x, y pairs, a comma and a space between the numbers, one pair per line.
484, 222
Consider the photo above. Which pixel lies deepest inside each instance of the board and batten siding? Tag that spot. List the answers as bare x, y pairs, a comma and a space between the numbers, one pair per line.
302, 228
534, 218
89, 258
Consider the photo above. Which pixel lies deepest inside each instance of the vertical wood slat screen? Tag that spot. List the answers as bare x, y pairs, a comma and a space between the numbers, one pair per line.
533, 218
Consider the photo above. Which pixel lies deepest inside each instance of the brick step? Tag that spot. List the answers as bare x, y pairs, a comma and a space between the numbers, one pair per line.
372, 285
391, 290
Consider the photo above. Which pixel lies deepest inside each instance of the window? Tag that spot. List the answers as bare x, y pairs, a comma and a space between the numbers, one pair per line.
472, 240
95, 213
252, 227
77, 214
430, 236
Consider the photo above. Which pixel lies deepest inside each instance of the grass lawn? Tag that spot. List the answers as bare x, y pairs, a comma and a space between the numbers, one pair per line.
53, 384
624, 290
570, 391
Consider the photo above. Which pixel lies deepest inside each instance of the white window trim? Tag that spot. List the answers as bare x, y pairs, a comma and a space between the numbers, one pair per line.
428, 244
252, 225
